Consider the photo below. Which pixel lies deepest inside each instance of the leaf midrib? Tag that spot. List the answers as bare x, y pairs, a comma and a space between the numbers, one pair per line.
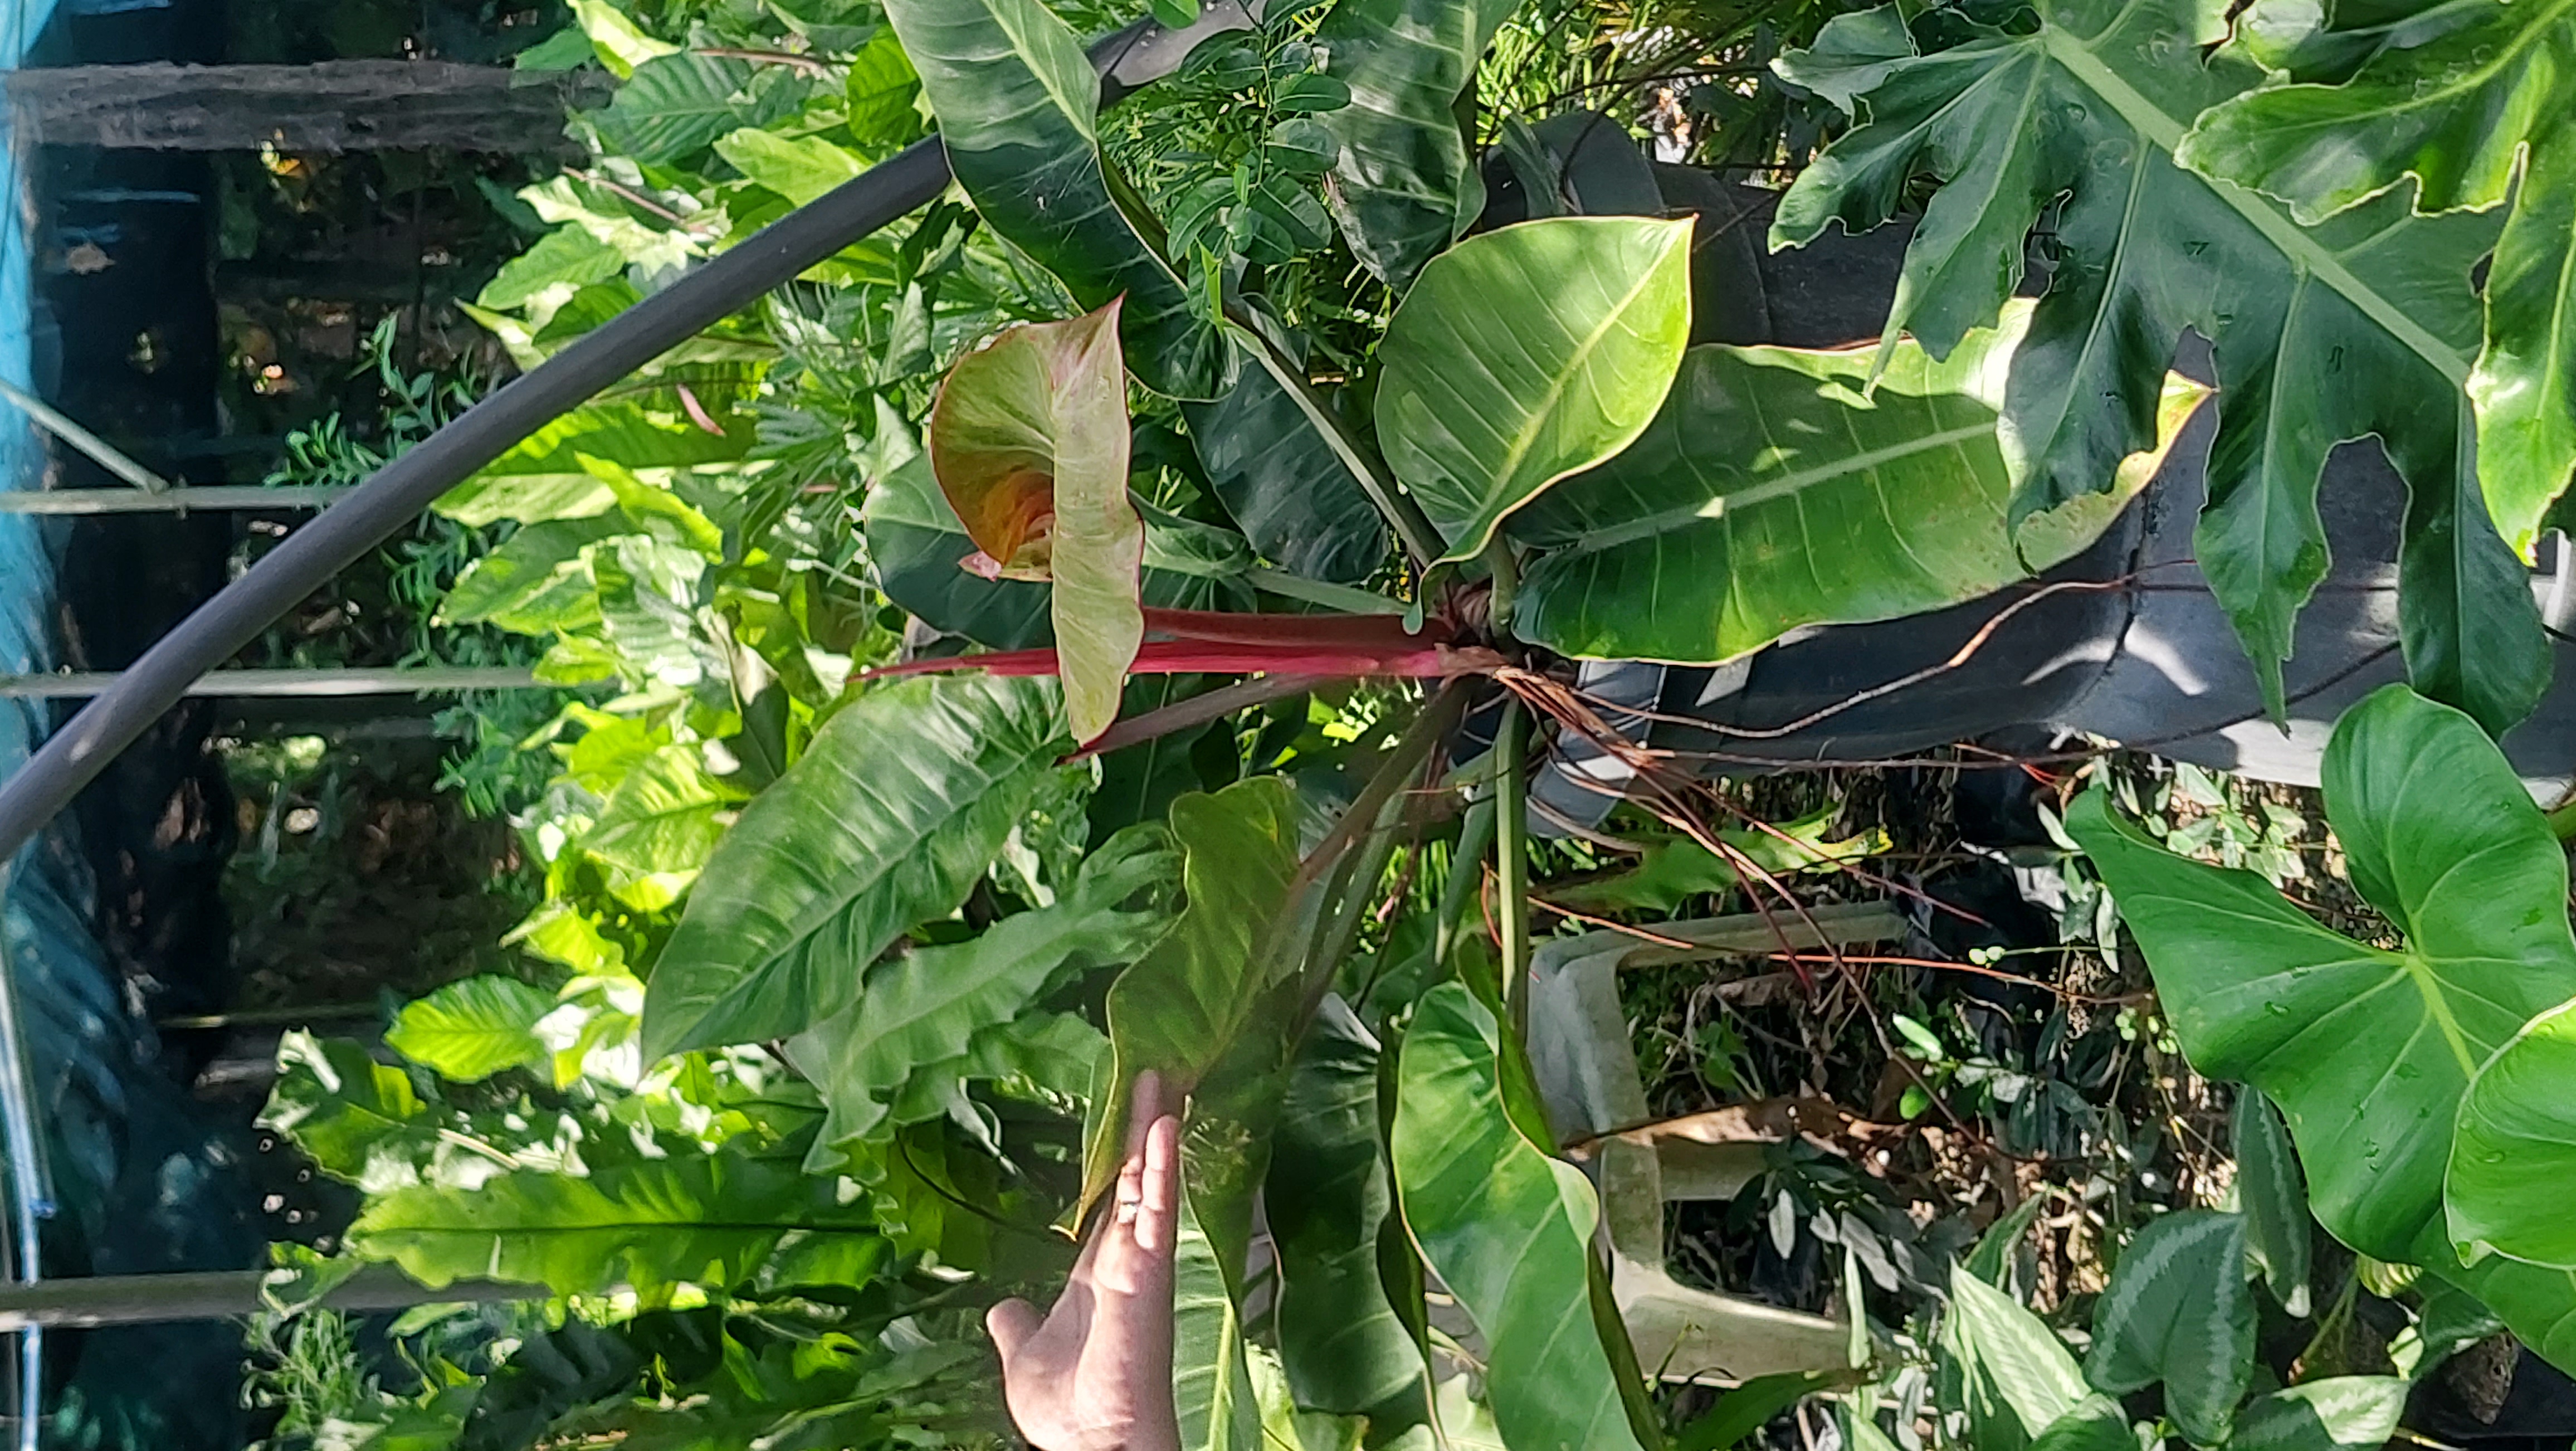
1517, 452
2165, 133
1860, 464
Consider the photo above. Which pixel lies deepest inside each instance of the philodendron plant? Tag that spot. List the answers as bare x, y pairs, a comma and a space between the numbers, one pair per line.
2430, 1085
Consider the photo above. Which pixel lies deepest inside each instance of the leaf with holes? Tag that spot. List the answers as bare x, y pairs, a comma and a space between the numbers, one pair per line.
1029, 443
2454, 106
1776, 490
1526, 355
2366, 326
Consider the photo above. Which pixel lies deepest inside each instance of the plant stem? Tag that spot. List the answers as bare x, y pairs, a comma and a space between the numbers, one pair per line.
1466, 867
1511, 864
1348, 599
1507, 584
1421, 539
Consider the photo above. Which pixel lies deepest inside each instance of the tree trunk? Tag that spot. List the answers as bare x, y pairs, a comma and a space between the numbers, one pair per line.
345, 105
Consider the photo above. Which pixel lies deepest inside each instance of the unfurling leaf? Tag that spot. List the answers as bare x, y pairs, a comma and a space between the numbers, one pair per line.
1029, 443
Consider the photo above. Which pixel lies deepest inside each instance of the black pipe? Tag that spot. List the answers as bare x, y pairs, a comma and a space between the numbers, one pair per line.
397, 493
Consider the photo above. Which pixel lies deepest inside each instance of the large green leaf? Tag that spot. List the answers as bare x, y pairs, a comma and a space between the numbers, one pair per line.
1181, 1008
2366, 1050
799, 168
666, 816
2515, 1150
1528, 354
2363, 327
717, 1220
562, 262
537, 582
1289, 492
350, 1114
2454, 108
1404, 184
674, 105
1212, 1390
929, 1006
543, 478
889, 818
1340, 1342
469, 1030
918, 547
1017, 104
1029, 443
2097, 1424
2016, 1376
2178, 1311
1776, 490
1507, 1227
2343, 1413
2274, 1200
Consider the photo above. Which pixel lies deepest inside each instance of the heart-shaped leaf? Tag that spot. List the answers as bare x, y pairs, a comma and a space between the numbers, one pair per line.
2178, 1311
2341, 1413
1507, 1227
897, 807
2366, 326
1029, 443
2366, 1050
1018, 106
1776, 490
1526, 355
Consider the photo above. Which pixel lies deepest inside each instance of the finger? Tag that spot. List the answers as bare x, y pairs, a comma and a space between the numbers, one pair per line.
1144, 1105
1011, 1323
1159, 1193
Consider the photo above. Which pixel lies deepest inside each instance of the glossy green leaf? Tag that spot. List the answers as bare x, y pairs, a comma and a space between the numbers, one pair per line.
340, 1106
2455, 112
471, 1029
665, 816
1507, 1227
799, 168
537, 582
2515, 1149
2366, 1050
2363, 327
919, 549
2098, 1424
715, 1220
927, 1007
1745, 1410
675, 105
880, 93
620, 45
2017, 1376
1340, 1342
1404, 184
1029, 443
2538, 1305
542, 478
1212, 1390
2342, 1413
1775, 490
1288, 491
890, 817
2178, 1310
1180, 1009
2273, 1198
1017, 104
568, 258
1526, 355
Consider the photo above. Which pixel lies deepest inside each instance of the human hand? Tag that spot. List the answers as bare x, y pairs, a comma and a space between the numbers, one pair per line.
1096, 1373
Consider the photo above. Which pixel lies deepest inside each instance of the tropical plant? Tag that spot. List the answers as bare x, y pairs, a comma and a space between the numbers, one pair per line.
1211, 477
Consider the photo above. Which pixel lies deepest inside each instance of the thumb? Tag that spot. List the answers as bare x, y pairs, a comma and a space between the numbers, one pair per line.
1011, 1323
